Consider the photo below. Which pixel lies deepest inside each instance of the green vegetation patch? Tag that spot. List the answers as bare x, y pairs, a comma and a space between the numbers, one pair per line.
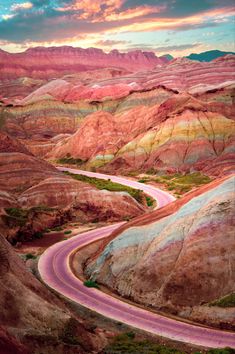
41, 208
150, 201
220, 351
16, 216
70, 161
183, 183
57, 228
30, 256
91, 284
67, 232
19, 216
226, 301
17, 212
108, 185
127, 344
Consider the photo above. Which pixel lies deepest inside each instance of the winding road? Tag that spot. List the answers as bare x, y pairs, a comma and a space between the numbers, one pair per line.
55, 272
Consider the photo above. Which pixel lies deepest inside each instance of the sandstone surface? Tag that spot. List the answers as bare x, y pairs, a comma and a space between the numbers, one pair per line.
176, 258
44, 197
32, 319
181, 134
52, 62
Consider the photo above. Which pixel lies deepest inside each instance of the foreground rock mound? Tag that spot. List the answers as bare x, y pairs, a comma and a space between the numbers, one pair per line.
182, 260
32, 319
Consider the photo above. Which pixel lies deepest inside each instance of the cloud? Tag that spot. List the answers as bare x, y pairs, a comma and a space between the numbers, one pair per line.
165, 49
7, 17
135, 12
110, 43
65, 20
179, 47
21, 6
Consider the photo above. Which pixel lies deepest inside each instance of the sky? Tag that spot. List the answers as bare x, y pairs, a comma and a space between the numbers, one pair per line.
177, 27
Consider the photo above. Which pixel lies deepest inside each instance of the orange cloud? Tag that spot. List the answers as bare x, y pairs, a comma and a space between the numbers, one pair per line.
174, 23
132, 13
90, 8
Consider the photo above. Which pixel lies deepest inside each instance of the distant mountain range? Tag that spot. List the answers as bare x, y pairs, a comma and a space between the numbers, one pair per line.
208, 56
50, 62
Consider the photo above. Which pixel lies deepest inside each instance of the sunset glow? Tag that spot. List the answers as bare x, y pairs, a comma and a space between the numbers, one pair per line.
175, 27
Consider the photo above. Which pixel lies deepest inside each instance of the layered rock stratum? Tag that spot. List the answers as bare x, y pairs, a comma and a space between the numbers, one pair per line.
52, 62
118, 113
177, 258
180, 135
38, 196
179, 117
32, 319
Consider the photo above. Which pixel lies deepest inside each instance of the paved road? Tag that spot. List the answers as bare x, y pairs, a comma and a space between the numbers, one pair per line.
55, 272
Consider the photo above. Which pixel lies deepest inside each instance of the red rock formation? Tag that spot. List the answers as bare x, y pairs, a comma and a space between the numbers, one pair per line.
50, 197
57, 61
60, 105
31, 316
63, 192
8, 144
180, 134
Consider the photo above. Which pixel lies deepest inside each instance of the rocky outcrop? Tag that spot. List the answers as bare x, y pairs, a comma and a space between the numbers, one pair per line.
180, 74
32, 319
60, 105
52, 62
181, 134
9, 145
178, 257
13, 90
44, 118
63, 192
40, 197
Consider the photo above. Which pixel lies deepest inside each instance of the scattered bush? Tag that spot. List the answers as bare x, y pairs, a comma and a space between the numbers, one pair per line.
30, 256
17, 212
151, 171
67, 232
221, 351
149, 201
16, 216
226, 301
142, 180
70, 161
126, 343
57, 228
183, 183
38, 235
91, 284
41, 208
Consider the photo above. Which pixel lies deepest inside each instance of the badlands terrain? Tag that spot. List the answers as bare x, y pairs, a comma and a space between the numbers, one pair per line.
159, 122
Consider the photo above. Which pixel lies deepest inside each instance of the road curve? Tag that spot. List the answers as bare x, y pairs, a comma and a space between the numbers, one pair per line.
55, 271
